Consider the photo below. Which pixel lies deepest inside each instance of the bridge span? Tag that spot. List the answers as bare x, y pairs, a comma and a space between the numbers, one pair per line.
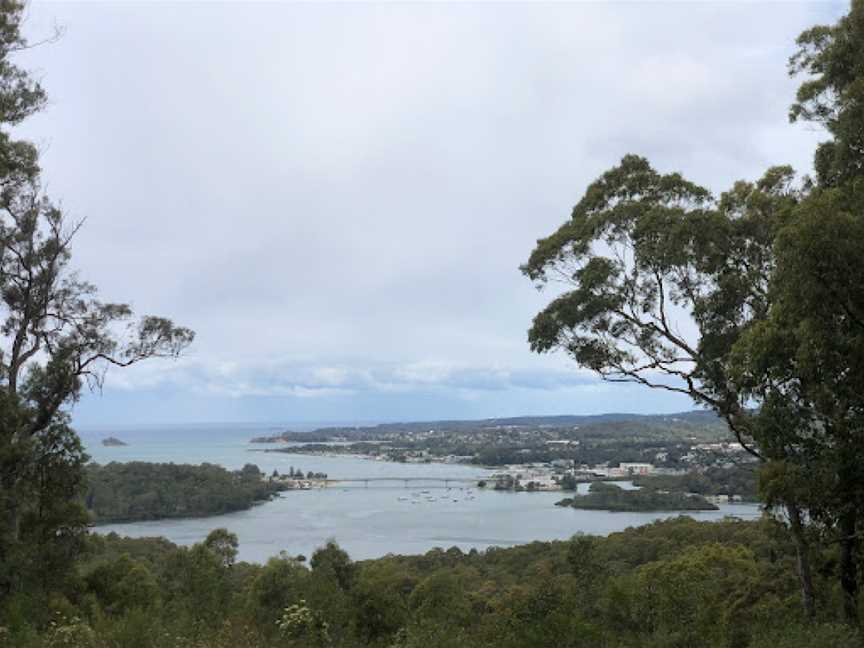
430, 482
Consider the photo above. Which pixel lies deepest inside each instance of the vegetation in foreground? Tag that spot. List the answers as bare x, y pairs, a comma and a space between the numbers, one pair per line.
133, 491
611, 497
676, 584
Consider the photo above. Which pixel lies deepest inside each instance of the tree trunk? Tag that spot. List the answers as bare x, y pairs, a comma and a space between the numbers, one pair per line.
802, 549
849, 568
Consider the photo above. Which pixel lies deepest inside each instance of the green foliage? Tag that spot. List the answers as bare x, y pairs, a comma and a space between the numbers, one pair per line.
810, 636
769, 274
674, 583
642, 250
224, 544
831, 59
332, 562
123, 584
274, 588
304, 626
148, 491
610, 497
56, 335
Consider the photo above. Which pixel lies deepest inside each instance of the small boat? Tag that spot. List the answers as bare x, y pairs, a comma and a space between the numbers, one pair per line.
402, 498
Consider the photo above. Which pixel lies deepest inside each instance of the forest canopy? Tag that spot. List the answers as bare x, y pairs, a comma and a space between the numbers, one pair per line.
127, 492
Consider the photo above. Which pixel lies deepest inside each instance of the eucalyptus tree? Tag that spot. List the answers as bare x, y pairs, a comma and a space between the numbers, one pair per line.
660, 279
804, 366
810, 350
749, 303
56, 336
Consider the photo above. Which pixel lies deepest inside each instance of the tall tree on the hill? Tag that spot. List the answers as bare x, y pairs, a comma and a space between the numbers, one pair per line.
810, 350
752, 298
664, 278
55, 335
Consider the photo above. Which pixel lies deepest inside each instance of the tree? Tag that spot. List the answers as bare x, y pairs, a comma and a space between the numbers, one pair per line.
334, 562
56, 335
803, 363
224, 544
701, 597
832, 95
750, 304
663, 280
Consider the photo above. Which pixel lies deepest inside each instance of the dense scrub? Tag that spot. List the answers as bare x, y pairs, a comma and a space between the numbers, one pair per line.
119, 492
676, 584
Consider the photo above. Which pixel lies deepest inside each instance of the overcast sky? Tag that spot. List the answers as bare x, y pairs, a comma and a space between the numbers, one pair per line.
337, 197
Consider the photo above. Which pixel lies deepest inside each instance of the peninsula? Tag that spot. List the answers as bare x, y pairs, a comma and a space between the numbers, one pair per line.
135, 491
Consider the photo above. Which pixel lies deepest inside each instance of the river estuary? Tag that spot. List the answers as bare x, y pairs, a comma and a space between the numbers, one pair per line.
367, 522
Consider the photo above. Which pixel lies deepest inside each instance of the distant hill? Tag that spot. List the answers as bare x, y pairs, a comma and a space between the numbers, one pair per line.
695, 424
694, 416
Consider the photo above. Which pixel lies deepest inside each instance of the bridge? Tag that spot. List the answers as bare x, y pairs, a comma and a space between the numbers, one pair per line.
437, 482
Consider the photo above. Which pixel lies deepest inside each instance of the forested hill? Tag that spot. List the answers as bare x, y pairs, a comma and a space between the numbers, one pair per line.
126, 492
697, 424
672, 584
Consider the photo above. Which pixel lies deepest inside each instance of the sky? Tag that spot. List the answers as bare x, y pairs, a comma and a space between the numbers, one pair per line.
337, 197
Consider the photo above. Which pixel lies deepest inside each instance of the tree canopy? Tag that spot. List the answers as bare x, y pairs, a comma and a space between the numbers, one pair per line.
749, 302
56, 336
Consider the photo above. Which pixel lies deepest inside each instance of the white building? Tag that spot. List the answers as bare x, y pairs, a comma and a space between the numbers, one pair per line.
637, 468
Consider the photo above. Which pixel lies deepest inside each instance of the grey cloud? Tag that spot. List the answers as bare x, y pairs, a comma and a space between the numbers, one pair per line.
317, 187
275, 378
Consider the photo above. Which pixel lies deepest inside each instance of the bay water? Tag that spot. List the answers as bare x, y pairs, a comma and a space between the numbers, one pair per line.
368, 522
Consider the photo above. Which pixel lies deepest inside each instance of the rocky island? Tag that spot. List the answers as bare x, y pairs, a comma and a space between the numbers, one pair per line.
113, 442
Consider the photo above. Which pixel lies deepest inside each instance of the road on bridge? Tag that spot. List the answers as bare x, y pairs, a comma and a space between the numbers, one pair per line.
439, 482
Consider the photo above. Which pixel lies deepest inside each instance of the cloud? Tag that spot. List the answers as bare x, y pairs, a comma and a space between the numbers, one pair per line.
292, 380
337, 197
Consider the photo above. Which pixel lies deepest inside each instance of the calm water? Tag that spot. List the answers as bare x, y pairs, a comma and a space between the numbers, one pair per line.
367, 522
